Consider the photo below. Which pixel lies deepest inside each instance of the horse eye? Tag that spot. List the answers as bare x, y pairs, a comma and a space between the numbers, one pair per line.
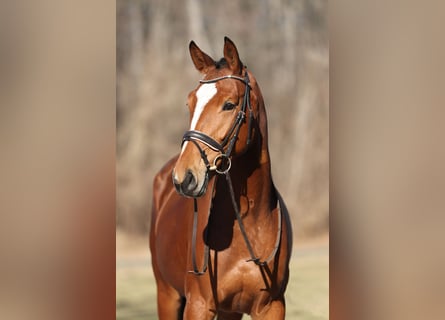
228, 106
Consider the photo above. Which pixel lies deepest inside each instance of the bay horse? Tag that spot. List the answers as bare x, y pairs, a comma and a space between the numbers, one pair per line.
221, 246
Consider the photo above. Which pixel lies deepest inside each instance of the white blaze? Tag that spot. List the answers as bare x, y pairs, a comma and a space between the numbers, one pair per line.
203, 96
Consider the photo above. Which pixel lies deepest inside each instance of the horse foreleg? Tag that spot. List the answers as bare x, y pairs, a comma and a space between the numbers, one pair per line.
170, 304
275, 310
229, 316
198, 309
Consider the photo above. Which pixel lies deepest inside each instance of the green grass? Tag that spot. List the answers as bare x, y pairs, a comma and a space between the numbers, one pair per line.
306, 295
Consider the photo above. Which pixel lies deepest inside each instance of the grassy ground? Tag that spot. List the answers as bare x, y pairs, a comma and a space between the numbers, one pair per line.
306, 296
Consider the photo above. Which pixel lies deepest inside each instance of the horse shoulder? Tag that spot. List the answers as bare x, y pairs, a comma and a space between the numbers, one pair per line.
162, 184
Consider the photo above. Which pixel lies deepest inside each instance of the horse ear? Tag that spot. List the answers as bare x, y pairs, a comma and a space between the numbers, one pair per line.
200, 59
231, 56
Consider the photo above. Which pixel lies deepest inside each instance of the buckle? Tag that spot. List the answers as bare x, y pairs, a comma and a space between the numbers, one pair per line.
224, 164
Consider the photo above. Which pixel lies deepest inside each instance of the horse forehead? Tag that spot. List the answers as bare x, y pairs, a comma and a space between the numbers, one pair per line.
203, 95
205, 92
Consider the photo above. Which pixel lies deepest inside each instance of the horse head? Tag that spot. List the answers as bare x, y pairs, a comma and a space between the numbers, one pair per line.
223, 112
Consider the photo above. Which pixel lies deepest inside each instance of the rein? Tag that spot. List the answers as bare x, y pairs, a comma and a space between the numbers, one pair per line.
195, 136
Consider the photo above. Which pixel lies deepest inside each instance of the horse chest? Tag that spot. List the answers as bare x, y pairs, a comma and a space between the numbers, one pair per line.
238, 286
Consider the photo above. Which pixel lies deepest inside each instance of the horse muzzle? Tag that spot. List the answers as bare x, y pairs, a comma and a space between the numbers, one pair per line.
190, 186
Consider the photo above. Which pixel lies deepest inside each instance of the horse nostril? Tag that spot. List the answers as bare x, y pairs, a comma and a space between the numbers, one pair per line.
189, 182
187, 185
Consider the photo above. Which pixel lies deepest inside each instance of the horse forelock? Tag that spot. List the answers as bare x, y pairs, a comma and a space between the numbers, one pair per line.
220, 67
222, 63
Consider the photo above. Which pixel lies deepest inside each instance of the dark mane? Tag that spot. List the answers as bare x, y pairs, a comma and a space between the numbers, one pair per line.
222, 63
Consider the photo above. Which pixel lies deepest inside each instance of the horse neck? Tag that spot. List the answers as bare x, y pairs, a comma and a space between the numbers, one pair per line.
251, 172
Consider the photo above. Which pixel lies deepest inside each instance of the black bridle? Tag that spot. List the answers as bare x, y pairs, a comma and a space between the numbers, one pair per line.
196, 136
224, 156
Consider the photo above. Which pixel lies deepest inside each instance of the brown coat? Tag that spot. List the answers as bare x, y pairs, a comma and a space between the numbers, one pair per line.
230, 286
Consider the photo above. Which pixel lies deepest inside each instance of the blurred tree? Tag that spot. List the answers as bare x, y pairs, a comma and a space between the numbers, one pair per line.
283, 42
